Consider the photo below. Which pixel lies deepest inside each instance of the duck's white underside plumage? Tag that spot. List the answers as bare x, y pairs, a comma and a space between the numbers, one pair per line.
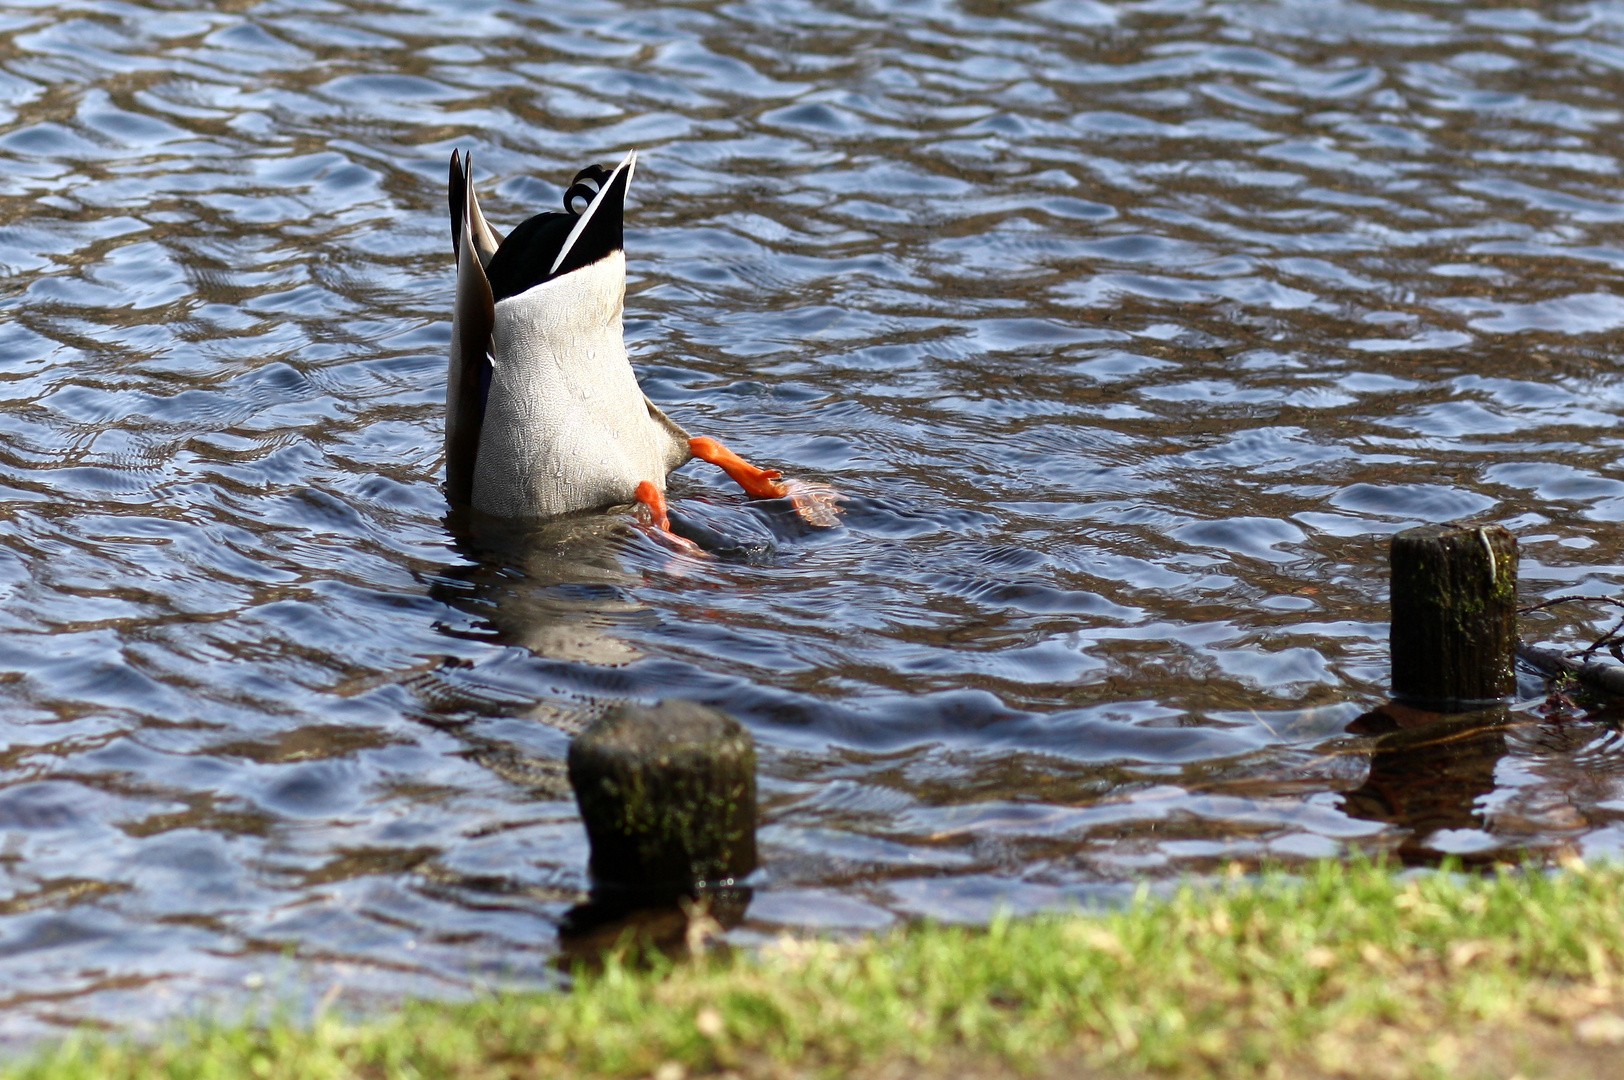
565, 425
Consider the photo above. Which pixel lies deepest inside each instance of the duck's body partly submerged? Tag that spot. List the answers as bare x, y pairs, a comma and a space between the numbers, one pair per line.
543, 412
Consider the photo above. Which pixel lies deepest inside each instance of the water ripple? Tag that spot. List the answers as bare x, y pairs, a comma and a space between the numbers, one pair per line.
1130, 336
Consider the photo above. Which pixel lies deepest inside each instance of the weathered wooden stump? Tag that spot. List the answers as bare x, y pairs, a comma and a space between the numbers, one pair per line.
1454, 616
668, 796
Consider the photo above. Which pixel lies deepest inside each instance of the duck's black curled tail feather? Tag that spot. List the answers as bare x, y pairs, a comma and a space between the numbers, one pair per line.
586, 185
551, 245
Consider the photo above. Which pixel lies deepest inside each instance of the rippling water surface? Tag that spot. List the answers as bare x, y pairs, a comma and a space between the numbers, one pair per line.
1132, 331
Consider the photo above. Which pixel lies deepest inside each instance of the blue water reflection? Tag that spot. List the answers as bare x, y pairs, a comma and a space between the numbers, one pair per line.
1130, 333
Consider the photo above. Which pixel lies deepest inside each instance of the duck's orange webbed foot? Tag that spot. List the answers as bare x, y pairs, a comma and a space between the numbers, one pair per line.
816, 503
757, 483
653, 499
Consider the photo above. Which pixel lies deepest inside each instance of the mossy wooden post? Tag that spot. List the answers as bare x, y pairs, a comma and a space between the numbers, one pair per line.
1454, 616
668, 796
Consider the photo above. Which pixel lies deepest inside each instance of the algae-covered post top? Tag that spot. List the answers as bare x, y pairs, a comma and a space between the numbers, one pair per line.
1454, 616
668, 796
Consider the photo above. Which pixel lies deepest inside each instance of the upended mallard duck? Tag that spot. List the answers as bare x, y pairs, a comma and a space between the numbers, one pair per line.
543, 412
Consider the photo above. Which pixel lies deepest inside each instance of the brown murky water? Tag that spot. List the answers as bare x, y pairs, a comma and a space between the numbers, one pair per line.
1131, 330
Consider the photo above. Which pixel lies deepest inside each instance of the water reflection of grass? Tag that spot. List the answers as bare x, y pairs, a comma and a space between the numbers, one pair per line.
1342, 971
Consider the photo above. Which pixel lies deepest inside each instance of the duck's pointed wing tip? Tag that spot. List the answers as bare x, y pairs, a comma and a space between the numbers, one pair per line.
628, 164
457, 197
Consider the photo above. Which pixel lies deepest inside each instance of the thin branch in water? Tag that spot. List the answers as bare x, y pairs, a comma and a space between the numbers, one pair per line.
1610, 641
1555, 600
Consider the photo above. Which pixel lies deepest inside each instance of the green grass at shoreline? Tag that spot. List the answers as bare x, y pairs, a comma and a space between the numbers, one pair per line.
1339, 970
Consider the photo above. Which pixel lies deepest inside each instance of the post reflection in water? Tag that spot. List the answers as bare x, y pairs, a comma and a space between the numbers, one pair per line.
1491, 786
1429, 774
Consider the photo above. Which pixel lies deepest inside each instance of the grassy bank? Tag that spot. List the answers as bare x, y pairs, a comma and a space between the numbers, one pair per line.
1345, 971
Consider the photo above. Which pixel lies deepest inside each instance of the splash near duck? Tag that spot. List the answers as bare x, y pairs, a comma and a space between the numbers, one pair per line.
544, 415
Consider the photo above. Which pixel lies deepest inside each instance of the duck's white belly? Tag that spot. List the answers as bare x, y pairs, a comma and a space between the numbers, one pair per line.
566, 426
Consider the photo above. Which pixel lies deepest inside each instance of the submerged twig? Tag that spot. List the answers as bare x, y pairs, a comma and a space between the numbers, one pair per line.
1528, 609
1610, 641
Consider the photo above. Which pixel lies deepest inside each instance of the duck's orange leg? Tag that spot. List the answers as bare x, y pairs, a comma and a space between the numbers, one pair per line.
654, 500
757, 483
816, 503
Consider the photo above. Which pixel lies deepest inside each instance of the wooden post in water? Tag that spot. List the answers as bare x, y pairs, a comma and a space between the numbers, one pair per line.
1454, 616
668, 796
